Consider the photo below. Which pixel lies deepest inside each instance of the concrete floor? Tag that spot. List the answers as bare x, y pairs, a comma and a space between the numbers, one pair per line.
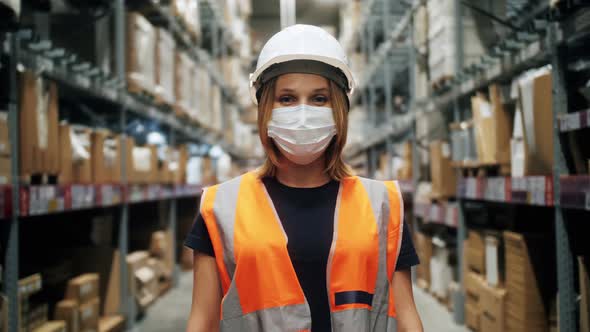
171, 311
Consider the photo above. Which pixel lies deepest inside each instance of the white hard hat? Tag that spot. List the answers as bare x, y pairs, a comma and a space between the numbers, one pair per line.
302, 42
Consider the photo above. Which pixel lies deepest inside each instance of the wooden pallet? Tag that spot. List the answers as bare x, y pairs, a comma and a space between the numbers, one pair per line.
478, 169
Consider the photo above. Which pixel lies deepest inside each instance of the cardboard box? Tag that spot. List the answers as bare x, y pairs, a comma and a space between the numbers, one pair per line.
4, 135
142, 279
492, 303
444, 183
83, 288
129, 144
472, 316
474, 248
105, 156
141, 59
89, 313
145, 164
66, 165
473, 284
38, 131
184, 73
165, 50
81, 154
158, 244
67, 311
115, 323
536, 103
52, 326
424, 250
493, 127
5, 170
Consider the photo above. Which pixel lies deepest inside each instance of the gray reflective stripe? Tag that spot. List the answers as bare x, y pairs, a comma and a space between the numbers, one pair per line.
358, 320
224, 208
401, 220
230, 305
333, 248
378, 196
292, 318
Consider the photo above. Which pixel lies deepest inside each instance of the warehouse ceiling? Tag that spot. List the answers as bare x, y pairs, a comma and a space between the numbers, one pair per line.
265, 20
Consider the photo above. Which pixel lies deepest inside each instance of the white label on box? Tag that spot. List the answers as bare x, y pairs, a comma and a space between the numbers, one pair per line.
485, 109
588, 200
85, 289
492, 262
446, 150
87, 313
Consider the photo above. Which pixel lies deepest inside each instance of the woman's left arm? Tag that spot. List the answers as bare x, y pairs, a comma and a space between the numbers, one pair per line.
408, 319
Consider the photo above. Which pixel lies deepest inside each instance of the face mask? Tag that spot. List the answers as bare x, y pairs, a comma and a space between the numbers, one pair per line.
302, 132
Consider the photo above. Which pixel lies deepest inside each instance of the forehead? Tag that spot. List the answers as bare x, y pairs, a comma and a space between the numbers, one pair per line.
301, 82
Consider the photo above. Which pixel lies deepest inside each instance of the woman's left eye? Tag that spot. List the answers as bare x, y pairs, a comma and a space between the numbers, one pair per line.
320, 99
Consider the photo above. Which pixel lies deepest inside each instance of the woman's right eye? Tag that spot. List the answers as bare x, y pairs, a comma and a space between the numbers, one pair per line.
286, 99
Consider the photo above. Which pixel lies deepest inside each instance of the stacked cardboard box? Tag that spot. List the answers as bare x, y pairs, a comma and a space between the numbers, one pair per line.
493, 126
183, 83
492, 304
5, 162
188, 13
525, 309
38, 126
115, 323
531, 145
463, 142
475, 252
141, 59
144, 164
31, 314
143, 283
444, 183
106, 156
52, 326
473, 308
81, 307
424, 249
162, 258
405, 171
165, 67
81, 150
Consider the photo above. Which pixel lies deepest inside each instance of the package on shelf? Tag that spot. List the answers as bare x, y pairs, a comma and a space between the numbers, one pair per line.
232, 70
165, 67
478, 36
475, 252
88, 314
183, 82
224, 168
532, 146
405, 171
188, 12
141, 59
5, 170
194, 170
444, 183
473, 283
106, 156
424, 250
430, 126
494, 260
52, 326
112, 323
4, 135
230, 120
143, 284
81, 154
67, 311
145, 164
493, 127
492, 304
83, 288
38, 132
439, 267
584, 279
194, 111
216, 108
525, 305
463, 142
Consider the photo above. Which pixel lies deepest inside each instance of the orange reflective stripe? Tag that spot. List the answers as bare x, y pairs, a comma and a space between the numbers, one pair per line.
210, 220
355, 258
264, 276
393, 237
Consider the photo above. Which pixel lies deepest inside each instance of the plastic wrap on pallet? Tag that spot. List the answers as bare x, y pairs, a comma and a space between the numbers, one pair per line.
141, 59
165, 50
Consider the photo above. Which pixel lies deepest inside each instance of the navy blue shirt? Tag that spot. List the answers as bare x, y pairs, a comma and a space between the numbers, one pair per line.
302, 210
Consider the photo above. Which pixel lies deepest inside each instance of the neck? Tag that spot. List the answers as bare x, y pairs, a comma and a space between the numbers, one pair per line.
303, 176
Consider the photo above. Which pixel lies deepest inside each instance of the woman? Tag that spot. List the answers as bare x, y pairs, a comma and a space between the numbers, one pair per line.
301, 244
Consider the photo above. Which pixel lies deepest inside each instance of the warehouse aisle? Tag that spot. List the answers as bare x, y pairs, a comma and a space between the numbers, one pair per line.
171, 311
434, 316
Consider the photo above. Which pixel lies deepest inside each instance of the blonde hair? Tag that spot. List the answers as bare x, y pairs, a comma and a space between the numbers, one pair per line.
336, 168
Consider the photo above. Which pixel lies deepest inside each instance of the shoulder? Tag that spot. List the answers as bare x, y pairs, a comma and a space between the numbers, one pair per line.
227, 188
391, 186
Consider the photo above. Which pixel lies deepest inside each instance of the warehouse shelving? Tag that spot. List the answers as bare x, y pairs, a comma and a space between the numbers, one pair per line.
20, 202
539, 36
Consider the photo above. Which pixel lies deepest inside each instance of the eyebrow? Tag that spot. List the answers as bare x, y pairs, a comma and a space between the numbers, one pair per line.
315, 90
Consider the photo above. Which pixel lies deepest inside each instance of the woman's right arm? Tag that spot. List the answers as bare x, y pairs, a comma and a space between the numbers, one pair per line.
205, 311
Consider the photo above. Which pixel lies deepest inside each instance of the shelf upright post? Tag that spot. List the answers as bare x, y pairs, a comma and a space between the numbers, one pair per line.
459, 300
371, 83
387, 67
127, 301
172, 222
223, 58
565, 258
11, 269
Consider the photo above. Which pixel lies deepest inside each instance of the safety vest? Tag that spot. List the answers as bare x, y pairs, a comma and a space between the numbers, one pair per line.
261, 291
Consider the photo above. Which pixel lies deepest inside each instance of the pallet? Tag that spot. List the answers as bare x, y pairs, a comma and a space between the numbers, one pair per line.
37, 179
441, 82
478, 169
